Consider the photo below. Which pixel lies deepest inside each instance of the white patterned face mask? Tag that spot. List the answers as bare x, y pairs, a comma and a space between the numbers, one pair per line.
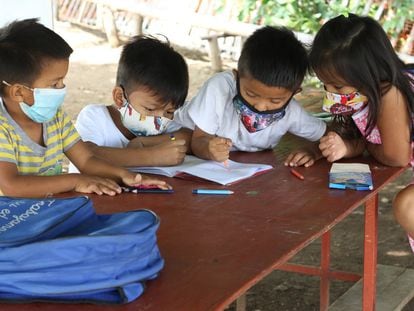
141, 125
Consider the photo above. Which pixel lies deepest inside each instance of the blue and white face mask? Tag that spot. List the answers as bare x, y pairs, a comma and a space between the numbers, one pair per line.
46, 103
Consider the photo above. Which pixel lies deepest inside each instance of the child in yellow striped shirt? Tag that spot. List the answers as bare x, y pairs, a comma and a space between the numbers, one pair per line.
35, 133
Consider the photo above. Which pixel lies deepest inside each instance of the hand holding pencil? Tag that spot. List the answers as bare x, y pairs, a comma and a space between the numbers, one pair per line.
219, 149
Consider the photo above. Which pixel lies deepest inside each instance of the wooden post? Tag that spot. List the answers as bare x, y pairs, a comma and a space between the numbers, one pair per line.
215, 57
139, 21
110, 27
241, 303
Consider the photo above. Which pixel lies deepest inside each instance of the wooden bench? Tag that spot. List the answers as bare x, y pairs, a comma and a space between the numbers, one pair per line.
394, 291
106, 12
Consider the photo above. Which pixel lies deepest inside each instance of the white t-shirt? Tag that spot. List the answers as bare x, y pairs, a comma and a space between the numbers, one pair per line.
212, 110
94, 124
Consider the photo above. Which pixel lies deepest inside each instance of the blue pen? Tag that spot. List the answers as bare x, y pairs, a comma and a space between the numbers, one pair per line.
359, 186
352, 186
212, 191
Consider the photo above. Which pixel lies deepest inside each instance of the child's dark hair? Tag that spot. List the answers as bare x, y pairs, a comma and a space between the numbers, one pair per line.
275, 57
357, 50
24, 47
149, 63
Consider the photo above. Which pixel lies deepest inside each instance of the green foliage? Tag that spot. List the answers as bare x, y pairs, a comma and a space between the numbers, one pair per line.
308, 15
392, 23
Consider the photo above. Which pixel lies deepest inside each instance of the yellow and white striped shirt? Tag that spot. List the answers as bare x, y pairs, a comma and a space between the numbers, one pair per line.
17, 147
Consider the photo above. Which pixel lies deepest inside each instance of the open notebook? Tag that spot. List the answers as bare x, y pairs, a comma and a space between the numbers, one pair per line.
209, 170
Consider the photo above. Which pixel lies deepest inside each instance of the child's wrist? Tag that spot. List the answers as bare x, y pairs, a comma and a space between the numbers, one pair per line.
136, 143
354, 147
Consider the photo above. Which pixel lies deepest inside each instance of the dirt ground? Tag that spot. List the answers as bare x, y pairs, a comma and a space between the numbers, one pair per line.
90, 80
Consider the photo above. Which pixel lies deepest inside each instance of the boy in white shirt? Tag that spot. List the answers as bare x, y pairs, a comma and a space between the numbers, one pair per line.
138, 130
251, 108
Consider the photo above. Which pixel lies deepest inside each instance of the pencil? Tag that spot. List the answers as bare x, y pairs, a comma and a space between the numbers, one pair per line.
297, 174
146, 190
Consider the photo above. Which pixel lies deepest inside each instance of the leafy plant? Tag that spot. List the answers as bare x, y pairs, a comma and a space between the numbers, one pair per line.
393, 23
308, 15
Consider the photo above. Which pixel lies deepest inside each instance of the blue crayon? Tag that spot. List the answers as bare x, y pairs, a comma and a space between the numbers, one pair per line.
212, 191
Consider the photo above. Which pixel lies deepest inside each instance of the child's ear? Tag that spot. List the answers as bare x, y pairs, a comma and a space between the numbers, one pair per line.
118, 96
297, 91
15, 92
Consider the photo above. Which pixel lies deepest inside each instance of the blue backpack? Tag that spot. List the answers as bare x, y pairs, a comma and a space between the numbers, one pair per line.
60, 250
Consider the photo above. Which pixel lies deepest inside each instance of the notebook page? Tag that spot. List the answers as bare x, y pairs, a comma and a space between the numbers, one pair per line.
217, 172
169, 171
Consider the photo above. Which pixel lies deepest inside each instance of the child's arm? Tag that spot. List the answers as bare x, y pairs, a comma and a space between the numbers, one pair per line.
394, 126
13, 184
148, 141
168, 153
210, 147
83, 158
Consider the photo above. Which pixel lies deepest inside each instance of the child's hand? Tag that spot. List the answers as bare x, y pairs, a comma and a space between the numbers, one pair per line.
169, 153
135, 180
98, 185
332, 147
219, 148
300, 157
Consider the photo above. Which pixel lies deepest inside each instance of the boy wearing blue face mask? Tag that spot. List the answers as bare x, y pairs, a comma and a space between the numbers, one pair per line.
35, 134
138, 130
252, 108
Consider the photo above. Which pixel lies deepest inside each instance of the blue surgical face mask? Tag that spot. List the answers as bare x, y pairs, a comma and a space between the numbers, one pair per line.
46, 103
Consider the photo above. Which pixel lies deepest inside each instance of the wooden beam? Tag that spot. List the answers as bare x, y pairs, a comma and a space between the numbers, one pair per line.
193, 19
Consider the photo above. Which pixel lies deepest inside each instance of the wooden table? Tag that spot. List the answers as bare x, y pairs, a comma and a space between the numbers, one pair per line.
217, 247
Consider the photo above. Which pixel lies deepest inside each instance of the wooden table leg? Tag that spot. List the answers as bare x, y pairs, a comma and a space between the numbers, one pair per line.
325, 277
370, 254
241, 303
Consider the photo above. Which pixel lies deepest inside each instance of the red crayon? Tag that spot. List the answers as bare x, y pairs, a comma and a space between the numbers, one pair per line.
297, 174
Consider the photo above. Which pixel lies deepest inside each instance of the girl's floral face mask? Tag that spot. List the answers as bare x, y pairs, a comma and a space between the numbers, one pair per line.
343, 104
